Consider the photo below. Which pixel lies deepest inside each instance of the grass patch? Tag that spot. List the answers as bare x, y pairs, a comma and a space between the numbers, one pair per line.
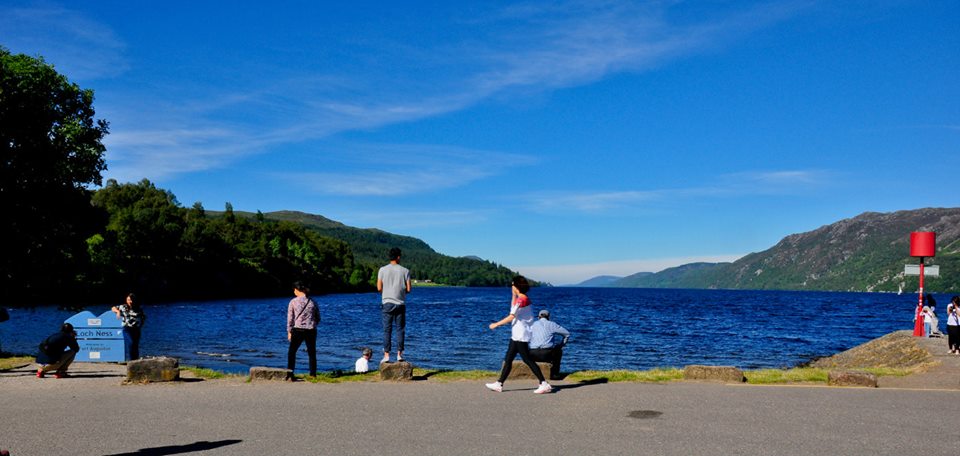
795, 375
202, 372
652, 375
811, 374
889, 371
15, 362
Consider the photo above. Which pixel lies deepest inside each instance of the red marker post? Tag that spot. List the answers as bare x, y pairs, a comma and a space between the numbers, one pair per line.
922, 244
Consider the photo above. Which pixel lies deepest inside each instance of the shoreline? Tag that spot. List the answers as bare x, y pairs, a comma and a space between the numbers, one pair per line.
894, 358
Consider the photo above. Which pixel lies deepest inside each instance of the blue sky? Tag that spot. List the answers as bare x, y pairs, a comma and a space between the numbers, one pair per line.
562, 139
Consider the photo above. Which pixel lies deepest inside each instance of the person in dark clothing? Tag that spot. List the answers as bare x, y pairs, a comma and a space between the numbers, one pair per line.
303, 316
54, 355
132, 316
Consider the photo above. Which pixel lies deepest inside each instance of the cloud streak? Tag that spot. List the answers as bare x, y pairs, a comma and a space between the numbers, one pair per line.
434, 168
79, 47
728, 186
523, 48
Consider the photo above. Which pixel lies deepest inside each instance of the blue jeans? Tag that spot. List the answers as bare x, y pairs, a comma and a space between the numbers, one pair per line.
390, 313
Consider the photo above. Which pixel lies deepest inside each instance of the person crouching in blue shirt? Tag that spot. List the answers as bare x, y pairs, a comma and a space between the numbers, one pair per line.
543, 347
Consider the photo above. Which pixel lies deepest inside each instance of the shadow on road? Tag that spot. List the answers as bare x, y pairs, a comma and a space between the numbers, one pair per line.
179, 449
595, 381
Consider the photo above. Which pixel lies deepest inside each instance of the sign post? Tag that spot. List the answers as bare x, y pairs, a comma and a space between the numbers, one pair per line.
922, 244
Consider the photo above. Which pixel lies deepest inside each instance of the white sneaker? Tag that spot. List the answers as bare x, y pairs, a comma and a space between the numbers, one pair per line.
495, 386
386, 359
543, 389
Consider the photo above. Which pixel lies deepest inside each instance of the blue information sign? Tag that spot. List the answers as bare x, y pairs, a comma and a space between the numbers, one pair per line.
100, 337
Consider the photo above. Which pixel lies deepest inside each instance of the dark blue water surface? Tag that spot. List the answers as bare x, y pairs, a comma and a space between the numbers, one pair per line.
447, 327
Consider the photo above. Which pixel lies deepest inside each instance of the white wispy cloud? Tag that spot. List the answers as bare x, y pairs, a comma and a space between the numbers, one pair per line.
529, 47
590, 202
399, 221
76, 45
796, 182
427, 168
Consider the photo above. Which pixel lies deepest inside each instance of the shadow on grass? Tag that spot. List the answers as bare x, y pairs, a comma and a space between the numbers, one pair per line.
179, 449
426, 376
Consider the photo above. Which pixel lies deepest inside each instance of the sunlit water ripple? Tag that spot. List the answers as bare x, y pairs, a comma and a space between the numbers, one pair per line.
447, 327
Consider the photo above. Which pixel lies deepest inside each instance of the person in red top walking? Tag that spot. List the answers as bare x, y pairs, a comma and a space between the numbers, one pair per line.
521, 320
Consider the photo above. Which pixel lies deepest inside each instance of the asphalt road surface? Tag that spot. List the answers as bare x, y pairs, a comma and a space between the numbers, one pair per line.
93, 414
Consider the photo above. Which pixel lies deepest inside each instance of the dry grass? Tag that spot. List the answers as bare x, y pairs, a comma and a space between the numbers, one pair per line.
15, 362
897, 350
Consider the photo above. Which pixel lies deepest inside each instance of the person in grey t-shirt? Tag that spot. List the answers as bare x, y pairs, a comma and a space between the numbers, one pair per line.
393, 281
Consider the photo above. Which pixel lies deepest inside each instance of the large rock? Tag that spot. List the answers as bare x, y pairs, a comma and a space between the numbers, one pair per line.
725, 374
519, 370
398, 371
851, 378
269, 374
159, 369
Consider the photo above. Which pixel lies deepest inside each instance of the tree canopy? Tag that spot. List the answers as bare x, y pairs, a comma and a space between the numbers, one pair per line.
50, 151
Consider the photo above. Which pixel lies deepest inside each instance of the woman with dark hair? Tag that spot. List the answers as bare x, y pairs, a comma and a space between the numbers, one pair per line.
953, 325
521, 320
303, 315
132, 316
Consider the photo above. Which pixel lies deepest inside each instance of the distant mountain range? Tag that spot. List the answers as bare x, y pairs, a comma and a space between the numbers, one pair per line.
864, 253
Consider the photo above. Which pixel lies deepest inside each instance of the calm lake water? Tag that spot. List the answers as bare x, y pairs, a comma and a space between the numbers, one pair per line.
447, 327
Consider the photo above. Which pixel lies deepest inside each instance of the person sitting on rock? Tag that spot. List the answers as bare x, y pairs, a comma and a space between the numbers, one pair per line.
54, 355
543, 346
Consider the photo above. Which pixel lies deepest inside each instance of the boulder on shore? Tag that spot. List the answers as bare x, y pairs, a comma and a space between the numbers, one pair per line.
398, 371
726, 374
159, 369
851, 378
269, 374
520, 370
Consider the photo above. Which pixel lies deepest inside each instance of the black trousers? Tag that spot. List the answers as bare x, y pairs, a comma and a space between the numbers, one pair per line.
953, 336
522, 348
297, 337
550, 355
134, 334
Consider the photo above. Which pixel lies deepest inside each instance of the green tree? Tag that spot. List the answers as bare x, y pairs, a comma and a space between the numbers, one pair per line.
50, 151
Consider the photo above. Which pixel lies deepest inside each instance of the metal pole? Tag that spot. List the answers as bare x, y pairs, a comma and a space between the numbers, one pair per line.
918, 329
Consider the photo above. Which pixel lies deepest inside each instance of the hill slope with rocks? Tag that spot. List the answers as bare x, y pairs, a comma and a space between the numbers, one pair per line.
864, 253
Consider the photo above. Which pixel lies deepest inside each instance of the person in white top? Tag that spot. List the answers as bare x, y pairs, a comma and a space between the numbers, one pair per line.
953, 325
521, 320
927, 320
363, 364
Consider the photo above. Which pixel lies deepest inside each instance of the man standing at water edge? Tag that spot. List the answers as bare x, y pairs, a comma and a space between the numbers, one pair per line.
393, 281
542, 345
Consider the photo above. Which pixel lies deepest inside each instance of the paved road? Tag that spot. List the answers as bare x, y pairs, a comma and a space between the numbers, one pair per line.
95, 415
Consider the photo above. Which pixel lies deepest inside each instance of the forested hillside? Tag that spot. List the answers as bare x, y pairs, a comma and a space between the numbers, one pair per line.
864, 253
370, 246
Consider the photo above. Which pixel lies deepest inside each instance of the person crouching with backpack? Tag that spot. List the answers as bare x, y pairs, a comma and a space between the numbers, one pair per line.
54, 355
